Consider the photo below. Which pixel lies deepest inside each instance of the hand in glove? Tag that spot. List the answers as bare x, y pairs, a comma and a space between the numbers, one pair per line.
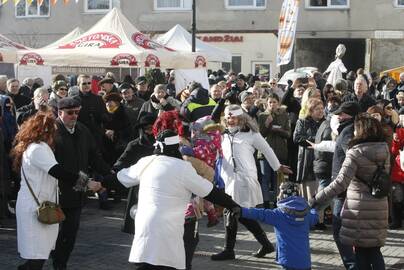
186, 150
81, 183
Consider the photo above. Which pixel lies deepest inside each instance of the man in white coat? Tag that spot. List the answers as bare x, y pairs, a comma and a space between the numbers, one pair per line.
166, 184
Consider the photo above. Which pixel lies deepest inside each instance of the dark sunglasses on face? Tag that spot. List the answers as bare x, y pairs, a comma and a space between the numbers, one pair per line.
76, 112
63, 89
86, 83
389, 108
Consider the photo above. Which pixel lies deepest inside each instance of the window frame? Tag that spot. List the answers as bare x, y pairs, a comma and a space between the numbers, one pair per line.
328, 7
26, 16
182, 8
397, 5
97, 11
254, 7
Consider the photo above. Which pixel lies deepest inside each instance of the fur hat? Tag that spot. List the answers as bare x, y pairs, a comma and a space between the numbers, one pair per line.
112, 97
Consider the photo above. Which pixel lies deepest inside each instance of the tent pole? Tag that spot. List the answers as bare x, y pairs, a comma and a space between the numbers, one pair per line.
193, 25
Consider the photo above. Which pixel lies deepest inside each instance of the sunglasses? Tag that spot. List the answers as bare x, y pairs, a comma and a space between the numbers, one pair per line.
389, 108
76, 112
86, 83
63, 89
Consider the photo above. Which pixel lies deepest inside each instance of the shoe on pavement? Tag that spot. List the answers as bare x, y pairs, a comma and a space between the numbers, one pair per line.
264, 250
224, 255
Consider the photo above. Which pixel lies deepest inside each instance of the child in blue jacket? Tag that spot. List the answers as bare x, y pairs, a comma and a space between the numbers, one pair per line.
292, 221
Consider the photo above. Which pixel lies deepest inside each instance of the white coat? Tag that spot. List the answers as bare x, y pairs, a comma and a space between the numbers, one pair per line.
336, 69
239, 171
35, 239
166, 185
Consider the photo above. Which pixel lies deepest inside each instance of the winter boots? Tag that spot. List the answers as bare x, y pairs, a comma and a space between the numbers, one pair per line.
228, 252
266, 248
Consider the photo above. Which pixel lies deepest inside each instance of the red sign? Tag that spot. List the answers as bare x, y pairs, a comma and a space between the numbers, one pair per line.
200, 61
124, 59
222, 38
152, 60
146, 43
31, 58
102, 40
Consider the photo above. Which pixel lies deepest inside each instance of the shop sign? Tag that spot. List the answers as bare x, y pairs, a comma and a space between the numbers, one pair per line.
222, 38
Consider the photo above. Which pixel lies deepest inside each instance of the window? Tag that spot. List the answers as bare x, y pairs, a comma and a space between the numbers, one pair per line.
400, 3
97, 6
245, 4
261, 69
23, 9
235, 65
327, 3
173, 5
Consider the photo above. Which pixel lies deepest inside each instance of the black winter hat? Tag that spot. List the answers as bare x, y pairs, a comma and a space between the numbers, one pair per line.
146, 119
350, 107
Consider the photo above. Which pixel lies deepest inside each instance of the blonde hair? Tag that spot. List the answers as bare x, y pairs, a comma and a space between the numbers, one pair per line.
308, 93
312, 103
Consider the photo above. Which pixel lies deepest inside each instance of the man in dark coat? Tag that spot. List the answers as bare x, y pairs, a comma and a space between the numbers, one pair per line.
75, 150
135, 150
40, 101
360, 95
346, 114
198, 104
93, 112
13, 91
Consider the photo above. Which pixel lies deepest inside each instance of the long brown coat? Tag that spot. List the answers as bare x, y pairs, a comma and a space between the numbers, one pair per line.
364, 218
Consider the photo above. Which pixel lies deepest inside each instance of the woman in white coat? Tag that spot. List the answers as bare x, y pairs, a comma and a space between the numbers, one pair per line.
166, 184
239, 173
33, 155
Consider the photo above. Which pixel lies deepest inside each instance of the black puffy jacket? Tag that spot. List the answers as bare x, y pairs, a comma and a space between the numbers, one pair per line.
322, 165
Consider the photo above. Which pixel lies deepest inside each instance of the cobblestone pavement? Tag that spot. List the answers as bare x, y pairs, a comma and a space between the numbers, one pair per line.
102, 246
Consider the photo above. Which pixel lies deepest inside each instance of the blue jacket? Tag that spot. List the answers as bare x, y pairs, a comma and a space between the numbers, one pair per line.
292, 221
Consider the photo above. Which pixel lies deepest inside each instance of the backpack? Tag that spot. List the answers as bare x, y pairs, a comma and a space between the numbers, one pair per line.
380, 184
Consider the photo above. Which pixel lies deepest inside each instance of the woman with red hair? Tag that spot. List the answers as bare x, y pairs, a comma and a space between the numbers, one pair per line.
33, 156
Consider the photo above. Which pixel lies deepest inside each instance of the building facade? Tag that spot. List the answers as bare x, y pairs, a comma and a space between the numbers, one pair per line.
372, 30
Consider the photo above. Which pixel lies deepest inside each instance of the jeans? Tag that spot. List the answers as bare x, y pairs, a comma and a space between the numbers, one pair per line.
369, 258
322, 183
269, 185
345, 251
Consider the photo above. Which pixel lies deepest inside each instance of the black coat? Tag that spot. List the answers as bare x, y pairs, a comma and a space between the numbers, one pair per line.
92, 114
135, 150
323, 160
25, 112
19, 100
364, 103
76, 152
204, 105
119, 122
345, 130
306, 129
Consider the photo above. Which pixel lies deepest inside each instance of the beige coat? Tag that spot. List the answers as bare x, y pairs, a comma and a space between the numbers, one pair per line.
364, 218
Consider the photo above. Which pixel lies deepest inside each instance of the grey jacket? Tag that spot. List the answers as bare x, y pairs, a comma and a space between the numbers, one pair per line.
364, 218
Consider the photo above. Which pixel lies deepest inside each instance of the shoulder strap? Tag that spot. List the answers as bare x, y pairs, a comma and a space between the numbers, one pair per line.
29, 187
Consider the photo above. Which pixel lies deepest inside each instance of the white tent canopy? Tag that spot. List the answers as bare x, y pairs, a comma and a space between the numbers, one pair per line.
111, 42
8, 50
179, 39
75, 33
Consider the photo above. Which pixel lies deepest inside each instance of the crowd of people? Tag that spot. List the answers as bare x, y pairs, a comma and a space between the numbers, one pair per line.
280, 154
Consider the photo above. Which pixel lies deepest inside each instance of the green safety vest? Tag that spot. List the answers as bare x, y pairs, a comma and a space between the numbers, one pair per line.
192, 106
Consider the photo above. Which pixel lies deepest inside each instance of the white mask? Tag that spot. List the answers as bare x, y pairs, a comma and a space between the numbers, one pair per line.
334, 124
